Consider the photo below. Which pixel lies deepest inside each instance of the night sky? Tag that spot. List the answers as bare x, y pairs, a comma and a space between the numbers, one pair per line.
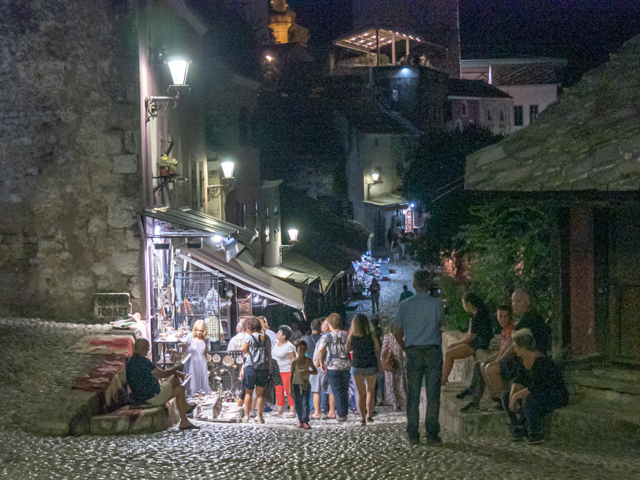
582, 31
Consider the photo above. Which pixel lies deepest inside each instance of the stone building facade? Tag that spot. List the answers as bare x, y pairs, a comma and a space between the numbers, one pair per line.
70, 135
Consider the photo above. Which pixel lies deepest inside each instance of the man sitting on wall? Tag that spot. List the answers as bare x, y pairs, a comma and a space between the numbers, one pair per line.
143, 379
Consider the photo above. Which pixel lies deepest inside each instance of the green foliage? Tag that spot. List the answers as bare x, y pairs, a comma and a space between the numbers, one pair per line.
508, 247
456, 317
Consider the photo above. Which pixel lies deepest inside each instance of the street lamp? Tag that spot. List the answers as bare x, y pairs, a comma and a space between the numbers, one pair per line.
227, 166
293, 238
179, 69
375, 180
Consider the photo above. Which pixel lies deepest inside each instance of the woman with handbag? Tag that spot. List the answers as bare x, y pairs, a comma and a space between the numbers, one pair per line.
336, 362
394, 371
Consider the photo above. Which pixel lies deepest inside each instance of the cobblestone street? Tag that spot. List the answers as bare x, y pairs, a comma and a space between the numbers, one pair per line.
36, 379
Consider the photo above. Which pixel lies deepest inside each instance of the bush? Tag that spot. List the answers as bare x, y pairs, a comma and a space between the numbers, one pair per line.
456, 318
510, 247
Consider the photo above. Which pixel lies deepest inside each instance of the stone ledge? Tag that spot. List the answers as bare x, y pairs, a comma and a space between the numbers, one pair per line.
590, 420
127, 420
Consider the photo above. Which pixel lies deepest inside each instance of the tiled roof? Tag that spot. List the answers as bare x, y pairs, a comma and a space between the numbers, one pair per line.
474, 89
368, 115
527, 74
588, 140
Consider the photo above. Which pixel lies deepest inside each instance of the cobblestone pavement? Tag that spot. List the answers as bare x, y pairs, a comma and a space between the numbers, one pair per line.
390, 290
36, 375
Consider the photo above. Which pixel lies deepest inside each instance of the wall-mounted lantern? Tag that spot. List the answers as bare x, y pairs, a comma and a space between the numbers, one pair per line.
293, 238
179, 69
375, 180
228, 167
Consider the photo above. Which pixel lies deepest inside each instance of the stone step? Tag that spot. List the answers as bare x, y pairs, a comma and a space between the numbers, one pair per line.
127, 420
588, 419
620, 382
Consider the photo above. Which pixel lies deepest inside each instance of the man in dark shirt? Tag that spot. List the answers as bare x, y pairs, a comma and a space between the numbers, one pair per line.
511, 365
143, 379
406, 293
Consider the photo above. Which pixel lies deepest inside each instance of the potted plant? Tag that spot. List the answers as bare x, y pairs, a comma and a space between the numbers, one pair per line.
167, 166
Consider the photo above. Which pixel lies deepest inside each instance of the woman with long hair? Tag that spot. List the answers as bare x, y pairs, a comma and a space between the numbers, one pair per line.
196, 343
365, 346
391, 358
478, 336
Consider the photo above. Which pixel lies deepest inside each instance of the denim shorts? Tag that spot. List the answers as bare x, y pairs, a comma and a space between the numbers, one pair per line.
366, 372
254, 378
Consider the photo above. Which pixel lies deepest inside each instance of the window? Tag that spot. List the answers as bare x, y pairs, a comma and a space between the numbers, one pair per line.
489, 117
533, 112
256, 218
464, 109
243, 216
517, 116
501, 115
267, 227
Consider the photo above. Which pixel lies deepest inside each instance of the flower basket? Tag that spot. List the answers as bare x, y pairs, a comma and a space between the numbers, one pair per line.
167, 170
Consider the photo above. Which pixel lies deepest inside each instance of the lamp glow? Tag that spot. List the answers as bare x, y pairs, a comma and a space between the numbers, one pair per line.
375, 176
179, 69
293, 234
227, 168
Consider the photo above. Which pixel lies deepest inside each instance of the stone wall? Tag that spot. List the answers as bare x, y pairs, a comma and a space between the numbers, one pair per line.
69, 131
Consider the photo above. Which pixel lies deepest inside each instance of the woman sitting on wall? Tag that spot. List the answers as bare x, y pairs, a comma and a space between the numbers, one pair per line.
536, 392
478, 336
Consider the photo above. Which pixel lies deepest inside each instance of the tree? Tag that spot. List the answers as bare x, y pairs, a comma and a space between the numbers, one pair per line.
435, 179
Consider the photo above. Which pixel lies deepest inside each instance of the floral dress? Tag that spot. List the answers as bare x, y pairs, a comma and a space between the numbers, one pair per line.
394, 383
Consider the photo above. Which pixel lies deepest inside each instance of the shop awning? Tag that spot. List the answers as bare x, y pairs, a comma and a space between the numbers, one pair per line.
242, 275
389, 201
186, 222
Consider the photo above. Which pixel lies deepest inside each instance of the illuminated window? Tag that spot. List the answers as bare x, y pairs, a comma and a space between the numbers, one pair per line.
243, 216
267, 227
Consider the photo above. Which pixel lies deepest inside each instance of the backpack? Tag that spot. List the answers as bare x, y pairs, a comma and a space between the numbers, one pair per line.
258, 353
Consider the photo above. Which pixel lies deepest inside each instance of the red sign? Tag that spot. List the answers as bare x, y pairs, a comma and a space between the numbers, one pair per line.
408, 220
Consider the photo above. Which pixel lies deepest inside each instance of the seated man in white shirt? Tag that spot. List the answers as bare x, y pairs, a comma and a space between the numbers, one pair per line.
237, 341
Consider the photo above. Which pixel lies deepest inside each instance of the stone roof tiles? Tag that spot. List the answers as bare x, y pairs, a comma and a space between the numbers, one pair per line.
588, 140
473, 89
527, 74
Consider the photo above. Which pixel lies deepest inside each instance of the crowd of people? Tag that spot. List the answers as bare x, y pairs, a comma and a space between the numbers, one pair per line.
337, 367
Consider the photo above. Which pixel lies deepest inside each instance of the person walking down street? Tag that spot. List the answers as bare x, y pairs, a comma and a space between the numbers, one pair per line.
337, 363
257, 363
406, 293
374, 289
284, 353
478, 336
364, 344
391, 357
417, 330
196, 343
301, 369
535, 394
143, 380
478, 377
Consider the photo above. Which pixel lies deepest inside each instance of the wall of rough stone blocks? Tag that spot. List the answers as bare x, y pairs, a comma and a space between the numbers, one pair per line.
69, 156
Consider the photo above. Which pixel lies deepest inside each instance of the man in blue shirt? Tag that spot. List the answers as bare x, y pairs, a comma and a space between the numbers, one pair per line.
417, 329
143, 379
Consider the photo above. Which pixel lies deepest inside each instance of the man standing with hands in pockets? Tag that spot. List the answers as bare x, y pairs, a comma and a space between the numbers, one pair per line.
417, 329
